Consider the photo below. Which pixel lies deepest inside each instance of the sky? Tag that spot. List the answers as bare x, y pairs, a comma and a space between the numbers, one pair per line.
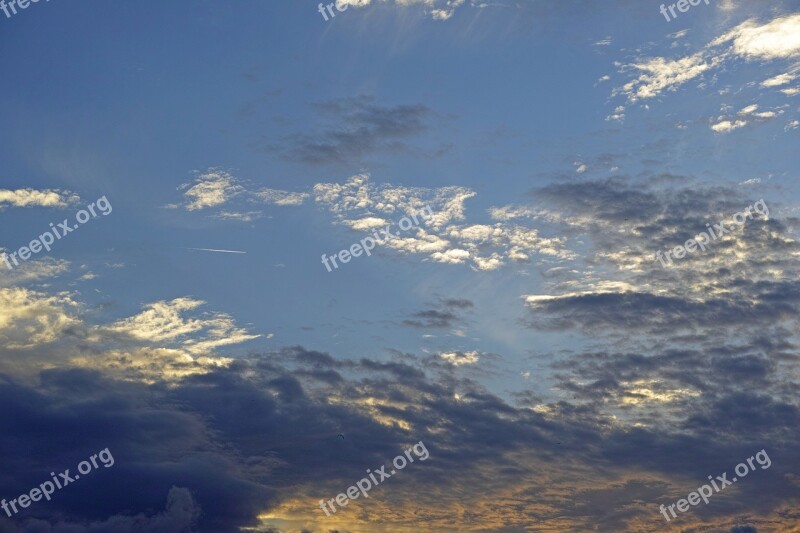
251, 252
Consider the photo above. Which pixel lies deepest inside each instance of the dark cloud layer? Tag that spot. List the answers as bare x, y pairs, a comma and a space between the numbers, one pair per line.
222, 447
356, 128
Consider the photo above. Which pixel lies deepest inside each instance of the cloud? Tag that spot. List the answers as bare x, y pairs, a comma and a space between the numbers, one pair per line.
780, 79
774, 40
277, 197
28, 271
431, 319
444, 237
215, 188
181, 515
164, 322
438, 9
748, 114
168, 340
36, 198
727, 126
30, 318
659, 74
225, 436
460, 358
354, 129
445, 314
212, 188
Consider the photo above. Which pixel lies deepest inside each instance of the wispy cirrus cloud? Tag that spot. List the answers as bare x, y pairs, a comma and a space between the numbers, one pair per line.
437, 9
770, 41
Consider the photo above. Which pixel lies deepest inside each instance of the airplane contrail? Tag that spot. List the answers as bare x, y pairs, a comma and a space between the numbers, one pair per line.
223, 251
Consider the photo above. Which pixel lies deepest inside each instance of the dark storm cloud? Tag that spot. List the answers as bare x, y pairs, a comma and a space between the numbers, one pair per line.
239, 440
356, 128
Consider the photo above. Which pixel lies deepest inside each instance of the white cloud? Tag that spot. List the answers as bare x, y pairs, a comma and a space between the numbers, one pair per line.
245, 216
210, 189
29, 318
493, 262
781, 79
36, 198
215, 188
726, 126
777, 39
453, 256
28, 271
277, 197
510, 212
751, 40
659, 74
367, 223
438, 9
618, 114
163, 322
460, 358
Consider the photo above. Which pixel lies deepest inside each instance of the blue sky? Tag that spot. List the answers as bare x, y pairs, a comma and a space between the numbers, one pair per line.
559, 146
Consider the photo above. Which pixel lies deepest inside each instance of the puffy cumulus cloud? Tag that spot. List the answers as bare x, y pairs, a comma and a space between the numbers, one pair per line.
216, 188
727, 126
360, 195
29, 318
366, 223
211, 188
36, 198
443, 234
460, 358
747, 114
438, 220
